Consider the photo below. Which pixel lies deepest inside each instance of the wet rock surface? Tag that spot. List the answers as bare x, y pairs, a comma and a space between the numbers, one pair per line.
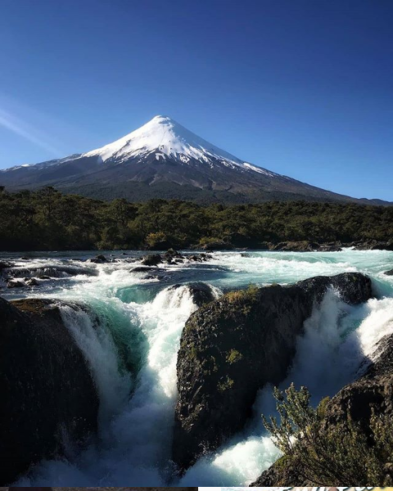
173, 257
99, 259
232, 347
5, 265
46, 389
152, 260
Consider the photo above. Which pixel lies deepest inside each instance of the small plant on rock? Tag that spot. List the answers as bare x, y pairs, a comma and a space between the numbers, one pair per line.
326, 453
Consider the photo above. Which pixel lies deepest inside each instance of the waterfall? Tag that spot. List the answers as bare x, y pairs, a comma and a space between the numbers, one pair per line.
131, 343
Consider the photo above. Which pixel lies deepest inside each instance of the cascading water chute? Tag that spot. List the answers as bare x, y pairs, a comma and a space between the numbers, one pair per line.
129, 328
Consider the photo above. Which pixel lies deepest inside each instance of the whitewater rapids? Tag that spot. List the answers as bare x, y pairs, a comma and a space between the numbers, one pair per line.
131, 346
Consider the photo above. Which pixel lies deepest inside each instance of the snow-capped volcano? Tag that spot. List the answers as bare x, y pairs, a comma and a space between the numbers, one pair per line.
163, 159
164, 137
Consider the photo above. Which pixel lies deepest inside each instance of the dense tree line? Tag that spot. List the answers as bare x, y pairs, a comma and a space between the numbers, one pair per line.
49, 220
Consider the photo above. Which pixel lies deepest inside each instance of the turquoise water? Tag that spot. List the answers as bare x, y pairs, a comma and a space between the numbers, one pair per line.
131, 346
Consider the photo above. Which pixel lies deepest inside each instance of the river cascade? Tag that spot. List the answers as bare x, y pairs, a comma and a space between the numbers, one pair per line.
129, 327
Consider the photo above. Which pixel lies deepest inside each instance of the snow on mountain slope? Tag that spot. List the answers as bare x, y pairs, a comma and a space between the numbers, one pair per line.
43, 165
162, 159
165, 137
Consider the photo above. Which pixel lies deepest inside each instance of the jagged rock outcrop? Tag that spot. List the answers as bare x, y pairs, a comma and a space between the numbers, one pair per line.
46, 390
373, 390
232, 347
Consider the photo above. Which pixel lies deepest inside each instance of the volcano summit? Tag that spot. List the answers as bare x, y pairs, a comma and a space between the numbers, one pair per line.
163, 159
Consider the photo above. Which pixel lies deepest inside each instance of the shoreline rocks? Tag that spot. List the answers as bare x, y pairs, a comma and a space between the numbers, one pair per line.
372, 245
232, 347
46, 389
219, 245
171, 257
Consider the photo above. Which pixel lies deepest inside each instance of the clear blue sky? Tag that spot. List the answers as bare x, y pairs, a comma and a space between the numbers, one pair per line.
302, 87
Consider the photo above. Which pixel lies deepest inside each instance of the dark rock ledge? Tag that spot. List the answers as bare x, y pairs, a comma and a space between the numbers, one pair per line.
46, 390
232, 347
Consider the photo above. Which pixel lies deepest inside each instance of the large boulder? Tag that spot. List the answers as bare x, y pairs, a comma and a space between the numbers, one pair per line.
372, 391
47, 394
99, 259
232, 347
152, 260
5, 265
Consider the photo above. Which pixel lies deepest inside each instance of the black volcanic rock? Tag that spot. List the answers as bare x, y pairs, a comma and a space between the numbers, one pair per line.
152, 260
5, 265
46, 390
99, 259
373, 245
141, 269
389, 273
232, 347
15, 284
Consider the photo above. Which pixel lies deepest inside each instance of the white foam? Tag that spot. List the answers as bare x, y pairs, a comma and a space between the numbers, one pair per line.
103, 359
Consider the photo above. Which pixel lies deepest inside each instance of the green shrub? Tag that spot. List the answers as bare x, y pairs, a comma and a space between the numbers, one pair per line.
331, 454
226, 384
154, 239
234, 356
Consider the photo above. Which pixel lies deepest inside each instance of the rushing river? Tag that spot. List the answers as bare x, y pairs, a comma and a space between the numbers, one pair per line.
134, 348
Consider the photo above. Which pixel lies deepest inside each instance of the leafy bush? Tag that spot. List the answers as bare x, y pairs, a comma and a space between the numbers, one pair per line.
155, 238
331, 454
234, 356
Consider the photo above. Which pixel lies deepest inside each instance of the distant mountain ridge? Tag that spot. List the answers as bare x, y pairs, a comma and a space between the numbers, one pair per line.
162, 159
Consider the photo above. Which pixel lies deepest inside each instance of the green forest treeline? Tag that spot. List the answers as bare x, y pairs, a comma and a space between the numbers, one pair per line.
49, 220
